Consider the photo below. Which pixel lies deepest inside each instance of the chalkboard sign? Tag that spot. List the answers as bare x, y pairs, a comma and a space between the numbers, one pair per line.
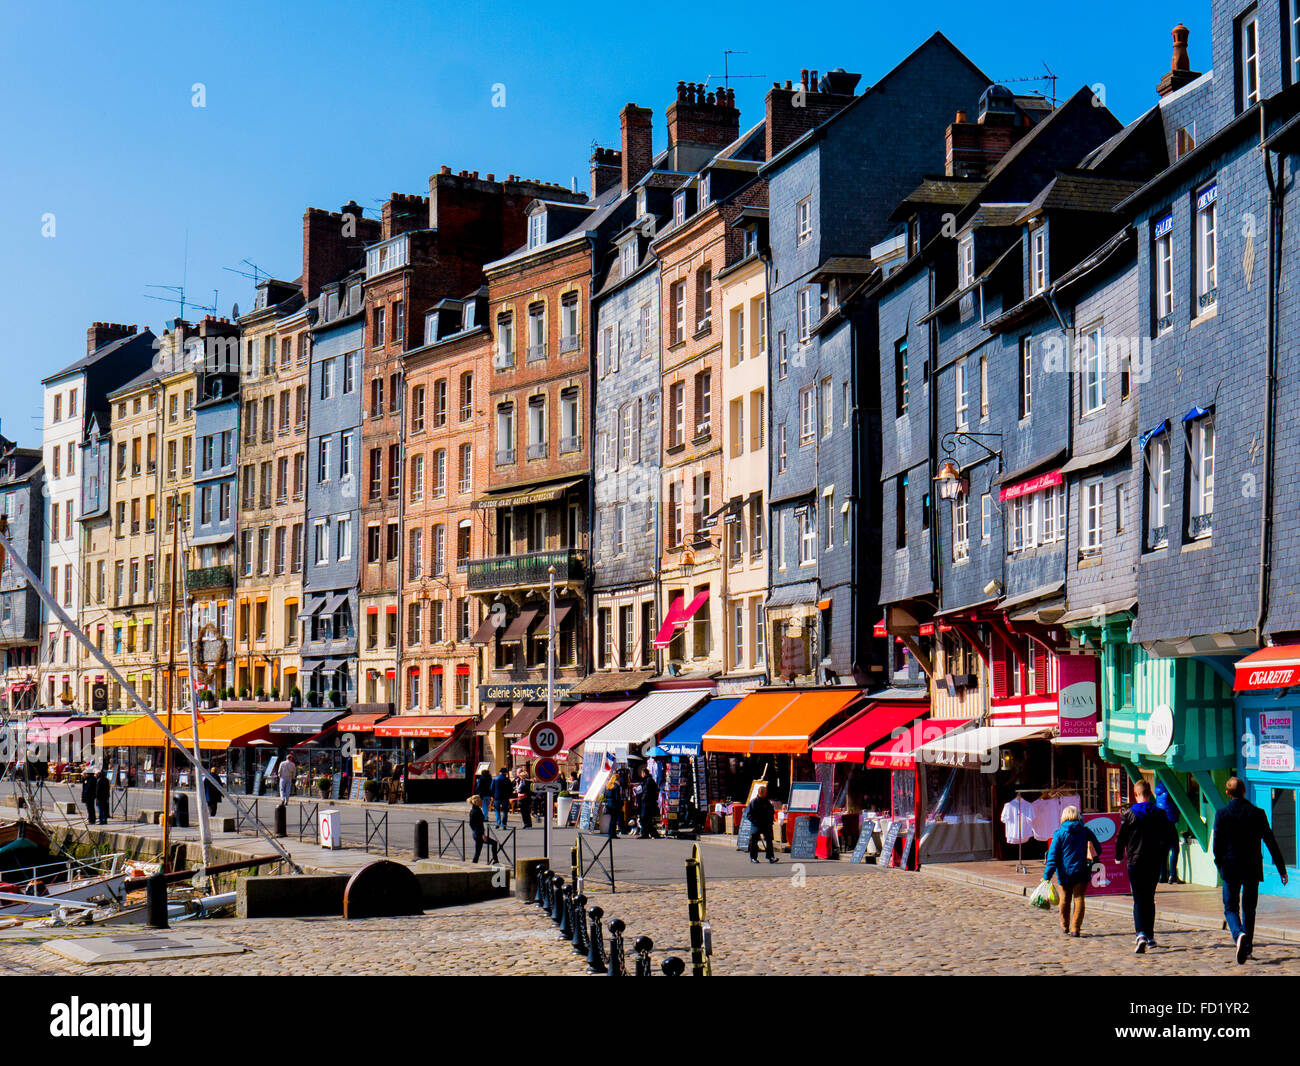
358, 789
710, 790
887, 840
574, 812
589, 819
804, 845
742, 838
864, 838
336, 787
259, 781
909, 850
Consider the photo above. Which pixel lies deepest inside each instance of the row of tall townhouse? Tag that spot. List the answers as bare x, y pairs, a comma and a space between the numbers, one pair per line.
916, 387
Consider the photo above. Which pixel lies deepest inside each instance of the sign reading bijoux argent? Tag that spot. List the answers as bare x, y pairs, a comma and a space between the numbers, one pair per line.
1077, 703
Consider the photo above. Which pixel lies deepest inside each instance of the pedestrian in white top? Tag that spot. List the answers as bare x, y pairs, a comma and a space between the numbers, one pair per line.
288, 774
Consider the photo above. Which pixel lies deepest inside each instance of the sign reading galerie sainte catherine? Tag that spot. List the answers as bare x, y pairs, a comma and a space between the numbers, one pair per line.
520, 693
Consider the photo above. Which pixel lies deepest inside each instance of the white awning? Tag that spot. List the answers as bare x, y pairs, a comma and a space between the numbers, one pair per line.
968, 747
644, 721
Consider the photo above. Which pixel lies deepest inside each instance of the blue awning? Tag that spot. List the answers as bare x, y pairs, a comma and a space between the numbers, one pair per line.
1198, 412
688, 737
1154, 431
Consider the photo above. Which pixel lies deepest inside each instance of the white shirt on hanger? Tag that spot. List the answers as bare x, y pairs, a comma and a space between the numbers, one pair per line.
1018, 817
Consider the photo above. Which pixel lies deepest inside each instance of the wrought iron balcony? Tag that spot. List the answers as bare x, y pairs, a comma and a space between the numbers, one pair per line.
569, 344
504, 456
570, 444
1202, 525
536, 353
1159, 536
209, 577
537, 451
528, 570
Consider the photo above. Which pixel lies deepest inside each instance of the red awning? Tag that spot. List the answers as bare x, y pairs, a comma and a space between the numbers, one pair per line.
879, 630
851, 741
420, 725
578, 723
897, 753
360, 723
1276, 667
678, 616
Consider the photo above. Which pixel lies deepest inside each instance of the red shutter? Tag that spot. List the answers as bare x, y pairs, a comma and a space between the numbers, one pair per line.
999, 658
1042, 666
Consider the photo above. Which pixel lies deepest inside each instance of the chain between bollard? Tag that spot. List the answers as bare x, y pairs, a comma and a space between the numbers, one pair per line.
642, 945
579, 939
566, 913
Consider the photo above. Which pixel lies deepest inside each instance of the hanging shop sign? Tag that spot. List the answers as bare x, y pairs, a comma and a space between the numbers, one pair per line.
1077, 702
1276, 741
1158, 733
1031, 485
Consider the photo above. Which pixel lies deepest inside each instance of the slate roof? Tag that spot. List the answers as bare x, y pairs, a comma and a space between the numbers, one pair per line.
1080, 192
145, 336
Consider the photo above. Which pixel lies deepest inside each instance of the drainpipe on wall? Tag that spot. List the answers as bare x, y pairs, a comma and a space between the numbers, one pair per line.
1274, 265
1069, 433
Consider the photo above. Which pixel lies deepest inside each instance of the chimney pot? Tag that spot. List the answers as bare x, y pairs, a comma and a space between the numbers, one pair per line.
1180, 60
803, 78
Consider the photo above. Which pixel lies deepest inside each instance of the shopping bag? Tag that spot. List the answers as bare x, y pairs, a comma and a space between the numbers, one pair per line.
1041, 897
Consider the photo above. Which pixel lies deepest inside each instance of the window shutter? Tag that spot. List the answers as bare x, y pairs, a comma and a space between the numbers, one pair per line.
999, 668
1042, 682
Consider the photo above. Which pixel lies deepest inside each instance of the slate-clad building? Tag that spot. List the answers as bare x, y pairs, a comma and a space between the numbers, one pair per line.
22, 477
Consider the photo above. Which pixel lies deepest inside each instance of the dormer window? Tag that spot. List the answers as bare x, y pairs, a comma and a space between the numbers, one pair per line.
627, 258
1038, 259
431, 327
679, 208
913, 236
966, 261
751, 240
354, 298
640, 202
537, 230
705, 198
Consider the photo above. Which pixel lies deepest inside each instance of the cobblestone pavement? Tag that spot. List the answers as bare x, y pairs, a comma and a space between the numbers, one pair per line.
886, 922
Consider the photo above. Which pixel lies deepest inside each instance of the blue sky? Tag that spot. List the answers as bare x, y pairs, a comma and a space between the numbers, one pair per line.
318, 103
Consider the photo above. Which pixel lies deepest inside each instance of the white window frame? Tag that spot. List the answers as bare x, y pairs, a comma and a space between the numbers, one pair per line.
806, 529
803, 221
1094, 371
1201, 463
1164, 263
1092, 508
1250, 84
1207, 258
965, 260
1038, 258
807, 416
1158, 478
961, 528
986, 517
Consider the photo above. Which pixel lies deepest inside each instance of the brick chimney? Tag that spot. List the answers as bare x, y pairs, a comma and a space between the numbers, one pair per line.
1180, 67
700, 120
102, 333
606, 169
793, 112
638, 153
403, 213
332, 244
972, 149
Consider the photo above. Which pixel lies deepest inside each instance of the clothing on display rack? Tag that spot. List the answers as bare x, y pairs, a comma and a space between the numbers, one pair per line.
1018, 817
1047, 812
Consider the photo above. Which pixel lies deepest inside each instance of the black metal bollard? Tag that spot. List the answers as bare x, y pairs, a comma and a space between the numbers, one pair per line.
642, 945
422, 839
566, 914
281, 820
156, 896
544, 890
596, 942
616, 966
579, 938
541, 888
673, 966
557, 898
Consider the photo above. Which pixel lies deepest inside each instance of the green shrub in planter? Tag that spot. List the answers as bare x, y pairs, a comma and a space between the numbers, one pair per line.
371, 788
313, 698
244, 693
275, 693
261, 692
295, 696
336, 699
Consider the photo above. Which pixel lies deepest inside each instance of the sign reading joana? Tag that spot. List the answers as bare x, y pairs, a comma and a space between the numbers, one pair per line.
1077, 701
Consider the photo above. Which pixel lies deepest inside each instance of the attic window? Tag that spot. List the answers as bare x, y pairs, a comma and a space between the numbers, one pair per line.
1038, 259
627, 258
679, 208
705, 197
431, 327
537, 230
966, 261
1186, 139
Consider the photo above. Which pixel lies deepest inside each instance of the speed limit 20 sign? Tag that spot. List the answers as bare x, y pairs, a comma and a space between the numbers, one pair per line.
546, 739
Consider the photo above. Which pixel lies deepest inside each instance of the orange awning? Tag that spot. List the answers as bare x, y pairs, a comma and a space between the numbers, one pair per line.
1274, 667
778, 723
221, 731
142, 733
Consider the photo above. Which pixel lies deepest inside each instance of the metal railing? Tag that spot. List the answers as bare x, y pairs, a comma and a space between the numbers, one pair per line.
1202, 525
209, 577
376, 829
599, 859
307, 821
531, 568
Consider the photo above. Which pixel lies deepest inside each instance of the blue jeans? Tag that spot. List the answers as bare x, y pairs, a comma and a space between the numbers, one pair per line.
503, 813
1243, 921
1143, 883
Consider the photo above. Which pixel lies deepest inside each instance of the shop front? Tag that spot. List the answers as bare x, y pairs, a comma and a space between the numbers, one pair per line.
230, 743
434, 753
577, 723
313, 740
1173, 720
1268, 707
695, 774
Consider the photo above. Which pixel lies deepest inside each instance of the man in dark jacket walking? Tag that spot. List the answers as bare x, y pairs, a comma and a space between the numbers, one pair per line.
524, 790
502, 790
613, 800
88, 795
102, 785
761, 815
1240, 830
1145, 837
649, 812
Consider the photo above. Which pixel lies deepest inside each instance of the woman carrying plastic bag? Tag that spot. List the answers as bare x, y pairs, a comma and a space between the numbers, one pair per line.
1070, 856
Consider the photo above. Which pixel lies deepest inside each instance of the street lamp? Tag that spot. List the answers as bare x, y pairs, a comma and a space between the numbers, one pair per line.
951, 479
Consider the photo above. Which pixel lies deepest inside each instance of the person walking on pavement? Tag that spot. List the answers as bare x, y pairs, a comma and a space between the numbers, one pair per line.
483, 789
1240, 829
102, 785
1144, 839
1070, 856
761, 815
288, 772
501, 792
477, 824
88, 795
524, 790
211, 797
613, 804
649, 807
1169, 870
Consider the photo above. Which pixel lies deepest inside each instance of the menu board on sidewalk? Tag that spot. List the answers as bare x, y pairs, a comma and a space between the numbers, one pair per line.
864, 838
887, 840
575, 812
746, 831
259, 781
336, 786
804, 845
358, 789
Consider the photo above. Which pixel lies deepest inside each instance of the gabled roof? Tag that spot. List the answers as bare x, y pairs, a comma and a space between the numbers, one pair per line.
598, 209
1080, 192
942, 191
936, 39
104, 351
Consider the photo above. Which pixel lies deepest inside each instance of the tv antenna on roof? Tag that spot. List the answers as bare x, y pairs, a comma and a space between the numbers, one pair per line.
1049, 77
726, 69
180, 299
255, 276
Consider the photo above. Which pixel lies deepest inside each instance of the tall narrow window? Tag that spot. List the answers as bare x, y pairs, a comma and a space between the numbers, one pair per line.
1094, 371
1092, 507
1249, 61
1038, 258
959, 384
1206, 249
961, 528
1157, 462
900, 377
1164, 269
1200, 459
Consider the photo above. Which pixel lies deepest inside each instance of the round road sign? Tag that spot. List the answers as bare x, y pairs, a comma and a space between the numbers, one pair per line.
546, 770
546, 738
